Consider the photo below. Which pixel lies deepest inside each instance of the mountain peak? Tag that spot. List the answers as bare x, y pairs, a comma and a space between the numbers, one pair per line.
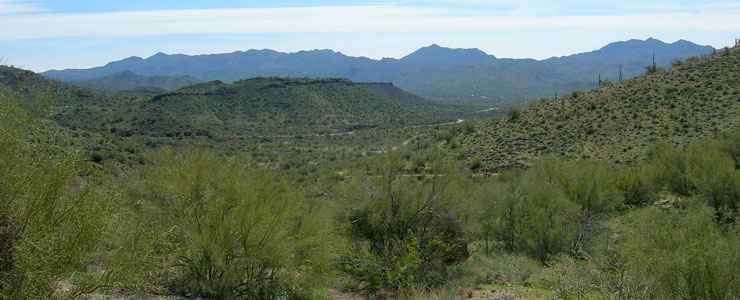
159, 55
633, 44
438, 54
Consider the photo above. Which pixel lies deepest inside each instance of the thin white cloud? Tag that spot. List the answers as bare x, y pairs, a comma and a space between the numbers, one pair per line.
343, 19
11, 7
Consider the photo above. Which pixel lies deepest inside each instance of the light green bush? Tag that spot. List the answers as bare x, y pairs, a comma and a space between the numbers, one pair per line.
638, 185
674, 254
204, 226
534, 217
673, 167
405, 232
50, 221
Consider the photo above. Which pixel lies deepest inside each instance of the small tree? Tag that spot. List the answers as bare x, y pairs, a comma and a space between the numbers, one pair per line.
532, 216
669, 254
201, 225
50, 224
404, 232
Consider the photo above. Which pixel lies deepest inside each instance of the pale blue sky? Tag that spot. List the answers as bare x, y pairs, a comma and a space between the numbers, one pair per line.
46, 34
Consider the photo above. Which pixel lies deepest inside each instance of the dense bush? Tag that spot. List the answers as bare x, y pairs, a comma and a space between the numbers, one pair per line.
673, 254
702, 170
205, 226
717, 181
405, 232
674, 167
49, 220
591, 185
638, 185
532, 216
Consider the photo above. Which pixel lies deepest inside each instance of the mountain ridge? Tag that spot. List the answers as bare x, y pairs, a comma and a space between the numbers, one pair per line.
434, 71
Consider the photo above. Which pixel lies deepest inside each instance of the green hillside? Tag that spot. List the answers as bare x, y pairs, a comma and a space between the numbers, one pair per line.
38, 92
698, 98
127, 81
258, 107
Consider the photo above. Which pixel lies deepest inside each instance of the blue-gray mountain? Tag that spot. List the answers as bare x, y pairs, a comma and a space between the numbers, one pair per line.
434, 72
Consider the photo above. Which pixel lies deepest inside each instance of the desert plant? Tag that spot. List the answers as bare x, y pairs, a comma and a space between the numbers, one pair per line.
717, 181
49, 222
674, 254
638, 186
404, 232
673, 167
532, 216
212, 227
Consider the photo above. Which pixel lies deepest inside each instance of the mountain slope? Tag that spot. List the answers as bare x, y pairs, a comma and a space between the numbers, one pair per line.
699, 98
127, 81
432, 71
40, 93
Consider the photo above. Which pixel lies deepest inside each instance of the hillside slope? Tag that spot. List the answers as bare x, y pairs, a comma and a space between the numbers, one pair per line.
434, 71
38, 92
128, 81
260, 107
698, 98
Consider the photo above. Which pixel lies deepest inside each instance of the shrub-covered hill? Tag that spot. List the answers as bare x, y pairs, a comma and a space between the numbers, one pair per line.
698, 98
39, 92
261, 107
127, 81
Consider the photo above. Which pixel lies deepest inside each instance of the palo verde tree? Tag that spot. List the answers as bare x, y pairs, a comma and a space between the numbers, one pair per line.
404, 231
202, 225
50, 222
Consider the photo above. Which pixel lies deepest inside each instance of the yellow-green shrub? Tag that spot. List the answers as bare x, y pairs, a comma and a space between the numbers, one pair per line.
206, 226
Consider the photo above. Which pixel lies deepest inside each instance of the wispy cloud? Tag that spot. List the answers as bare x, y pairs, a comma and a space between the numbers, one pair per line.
12, 7
343, 19
585, 7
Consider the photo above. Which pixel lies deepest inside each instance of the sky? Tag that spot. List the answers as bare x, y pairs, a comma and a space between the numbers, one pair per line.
56, 34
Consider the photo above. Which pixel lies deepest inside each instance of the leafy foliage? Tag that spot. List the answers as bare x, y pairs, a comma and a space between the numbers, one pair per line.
205, 226
49, 220
405, 233
674, 255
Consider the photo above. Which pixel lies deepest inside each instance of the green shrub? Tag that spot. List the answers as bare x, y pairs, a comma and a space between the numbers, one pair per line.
404, 232
593, 187
638, 186
672, 254
49, 220
717, 181
532, 216
701, 170
206, 226
673, 167
590, 185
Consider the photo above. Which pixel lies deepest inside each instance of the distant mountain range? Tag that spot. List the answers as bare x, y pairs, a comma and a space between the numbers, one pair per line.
435, 72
